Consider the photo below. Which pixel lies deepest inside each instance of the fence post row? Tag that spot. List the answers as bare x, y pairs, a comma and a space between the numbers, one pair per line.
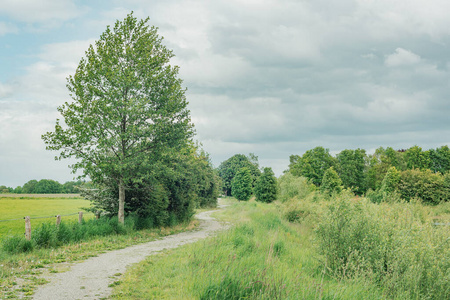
58, 221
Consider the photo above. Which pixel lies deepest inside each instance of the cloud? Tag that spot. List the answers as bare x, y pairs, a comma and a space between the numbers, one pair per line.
401, 57
30, 11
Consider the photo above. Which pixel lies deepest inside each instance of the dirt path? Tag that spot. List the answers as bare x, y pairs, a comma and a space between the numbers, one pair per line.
90, 279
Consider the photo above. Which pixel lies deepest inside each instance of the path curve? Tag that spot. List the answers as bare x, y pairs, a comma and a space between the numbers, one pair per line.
89, 279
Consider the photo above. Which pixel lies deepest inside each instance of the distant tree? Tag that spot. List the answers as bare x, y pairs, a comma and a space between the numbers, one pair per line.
128, 108
312, 164
242, 184
391, 180
18, 190
331, 182
4, 189
48, 186
440, 159
228, 169
352, 169
72, 187
266, 186
380, 162
417, 159
28, 188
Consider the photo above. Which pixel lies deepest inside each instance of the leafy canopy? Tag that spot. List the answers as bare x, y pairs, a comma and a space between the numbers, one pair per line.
128, 106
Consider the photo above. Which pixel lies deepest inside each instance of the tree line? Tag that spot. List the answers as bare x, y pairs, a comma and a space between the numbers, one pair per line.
405, 174
242, 178
46, 186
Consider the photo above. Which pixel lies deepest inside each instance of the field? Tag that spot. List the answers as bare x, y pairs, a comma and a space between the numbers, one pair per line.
14, 207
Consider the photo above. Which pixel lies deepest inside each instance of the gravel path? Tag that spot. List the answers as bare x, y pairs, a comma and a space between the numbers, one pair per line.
90, 278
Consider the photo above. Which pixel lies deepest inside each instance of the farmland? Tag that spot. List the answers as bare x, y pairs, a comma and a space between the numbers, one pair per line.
16, 206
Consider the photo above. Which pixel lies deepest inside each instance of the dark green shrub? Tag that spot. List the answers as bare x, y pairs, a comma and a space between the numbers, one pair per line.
241, 186
266, 186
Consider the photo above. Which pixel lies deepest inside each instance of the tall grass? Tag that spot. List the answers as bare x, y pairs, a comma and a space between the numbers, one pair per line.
264, 257
49, 235
393, 245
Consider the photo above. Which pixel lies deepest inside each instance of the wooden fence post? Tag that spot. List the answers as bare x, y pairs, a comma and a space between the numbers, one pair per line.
80, 217
58, 220
27, 228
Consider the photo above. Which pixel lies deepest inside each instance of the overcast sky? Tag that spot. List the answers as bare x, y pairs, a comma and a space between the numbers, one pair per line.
273, 78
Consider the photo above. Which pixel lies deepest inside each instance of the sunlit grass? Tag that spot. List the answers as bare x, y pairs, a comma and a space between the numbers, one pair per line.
262, 257
16, 208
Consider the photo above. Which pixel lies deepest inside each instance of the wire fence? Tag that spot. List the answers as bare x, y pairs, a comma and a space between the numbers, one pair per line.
46, 217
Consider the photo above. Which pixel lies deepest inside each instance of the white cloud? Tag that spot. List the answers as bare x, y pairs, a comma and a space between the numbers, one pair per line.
30, 11
5, 90
401, 57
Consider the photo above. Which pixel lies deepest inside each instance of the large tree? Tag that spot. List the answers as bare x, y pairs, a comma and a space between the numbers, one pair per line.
128, 106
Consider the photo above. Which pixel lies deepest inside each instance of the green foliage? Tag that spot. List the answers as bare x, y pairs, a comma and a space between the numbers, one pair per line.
16, 244
266, 186
291, 186
440, 159
312, 164
417, 159
431, 187
391, 180
28, 188
229, 168
128, 108
392, 245
352, 169
241, 185
331, 182
179, 182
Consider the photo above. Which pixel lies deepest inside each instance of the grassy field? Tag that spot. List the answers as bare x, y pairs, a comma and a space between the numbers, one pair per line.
392, 252
14, 207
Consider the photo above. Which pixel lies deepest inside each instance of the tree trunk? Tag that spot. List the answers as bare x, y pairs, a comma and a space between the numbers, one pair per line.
121, 214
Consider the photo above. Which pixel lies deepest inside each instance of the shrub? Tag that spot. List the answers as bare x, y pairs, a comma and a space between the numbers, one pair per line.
266, 186
291, 186
428, 186
393, 245
331, 183
241, 186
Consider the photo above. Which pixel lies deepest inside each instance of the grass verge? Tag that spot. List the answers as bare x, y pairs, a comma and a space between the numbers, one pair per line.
20, 273
261, 257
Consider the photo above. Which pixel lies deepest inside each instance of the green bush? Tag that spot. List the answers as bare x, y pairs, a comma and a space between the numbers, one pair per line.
291, 186
393, 245
266, 186
431, 187
241, 186
331, 183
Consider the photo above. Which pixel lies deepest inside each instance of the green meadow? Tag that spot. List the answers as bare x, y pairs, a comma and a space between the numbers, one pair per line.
14, 208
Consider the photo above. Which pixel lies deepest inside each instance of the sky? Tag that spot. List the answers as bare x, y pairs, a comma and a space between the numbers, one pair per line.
273, 78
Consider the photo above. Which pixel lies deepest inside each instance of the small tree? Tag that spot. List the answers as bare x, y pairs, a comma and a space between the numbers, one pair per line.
241, 186
331, 182
266, 186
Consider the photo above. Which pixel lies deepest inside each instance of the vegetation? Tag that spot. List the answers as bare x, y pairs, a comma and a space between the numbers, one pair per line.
241, 185
20, 272
17, 207
266, 186
46, 186
230, 167
416, 174
128, 109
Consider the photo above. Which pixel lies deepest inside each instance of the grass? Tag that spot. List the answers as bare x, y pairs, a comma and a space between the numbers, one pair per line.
16, 206
21, 273
261, 257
